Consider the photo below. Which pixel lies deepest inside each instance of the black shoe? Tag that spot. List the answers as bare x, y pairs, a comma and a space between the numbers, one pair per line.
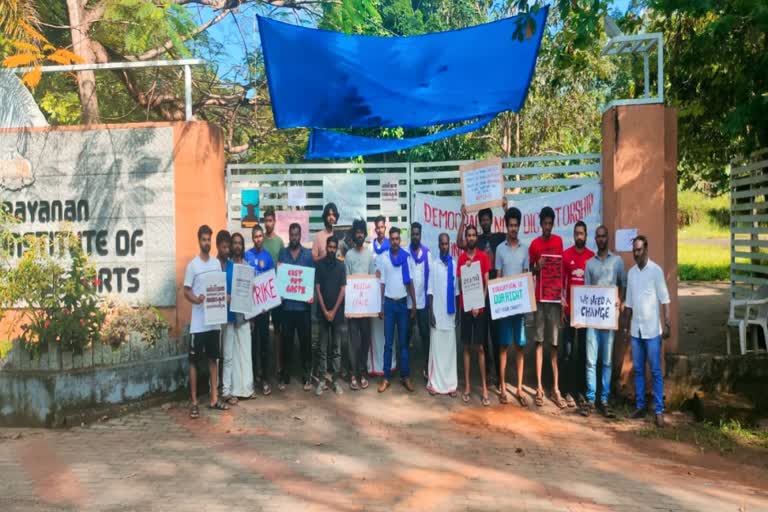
660, 421
586, 409
638, 414
605, 410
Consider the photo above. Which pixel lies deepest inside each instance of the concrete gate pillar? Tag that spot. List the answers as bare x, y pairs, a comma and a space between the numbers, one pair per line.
640, 191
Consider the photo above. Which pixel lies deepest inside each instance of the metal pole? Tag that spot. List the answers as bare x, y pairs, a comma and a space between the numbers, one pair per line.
188, 92
647, 75
660, 68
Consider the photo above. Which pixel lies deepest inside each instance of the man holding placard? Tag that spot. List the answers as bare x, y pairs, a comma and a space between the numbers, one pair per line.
205, 338
380, 248
359, 261
330, 284
261, 349
396, 268
603, 269
237, 375
296, 315
443, 293
511, 259
574, 380
546, 259
273, 244
421, 263
473, 269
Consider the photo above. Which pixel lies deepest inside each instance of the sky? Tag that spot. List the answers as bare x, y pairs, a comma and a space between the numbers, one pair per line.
237, 36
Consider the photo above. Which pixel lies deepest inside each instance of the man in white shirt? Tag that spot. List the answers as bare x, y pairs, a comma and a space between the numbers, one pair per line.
396, 267
422, 261
443, 293
646, 289
205, 338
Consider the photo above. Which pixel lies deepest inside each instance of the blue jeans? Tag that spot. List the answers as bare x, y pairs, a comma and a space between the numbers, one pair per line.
648, 349
396, 314
599, 348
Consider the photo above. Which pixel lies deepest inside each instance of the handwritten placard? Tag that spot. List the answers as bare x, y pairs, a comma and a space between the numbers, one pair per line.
242, 289
363, 296
390, 196
297, 196
284, 219
265, 296
295, 282
472, 287
595, 306
550, 278
215, 303
482, 184
512, 295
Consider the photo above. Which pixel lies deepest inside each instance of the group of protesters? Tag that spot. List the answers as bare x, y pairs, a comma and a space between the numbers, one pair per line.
421, 293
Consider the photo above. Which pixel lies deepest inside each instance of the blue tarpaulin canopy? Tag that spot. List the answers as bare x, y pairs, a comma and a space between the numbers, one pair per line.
327, 80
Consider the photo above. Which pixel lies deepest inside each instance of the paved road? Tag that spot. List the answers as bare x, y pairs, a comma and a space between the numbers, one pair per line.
364, 451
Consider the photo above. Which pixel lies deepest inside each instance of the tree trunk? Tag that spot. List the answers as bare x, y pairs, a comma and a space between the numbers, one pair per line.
81, 45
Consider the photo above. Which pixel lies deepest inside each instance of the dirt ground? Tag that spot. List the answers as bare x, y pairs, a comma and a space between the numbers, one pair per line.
703, 314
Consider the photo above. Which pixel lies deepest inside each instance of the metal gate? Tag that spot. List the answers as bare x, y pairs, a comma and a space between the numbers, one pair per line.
523, 176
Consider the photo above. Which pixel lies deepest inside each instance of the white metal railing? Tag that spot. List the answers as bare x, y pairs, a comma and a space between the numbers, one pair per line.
523, 177
749, 225
185, 63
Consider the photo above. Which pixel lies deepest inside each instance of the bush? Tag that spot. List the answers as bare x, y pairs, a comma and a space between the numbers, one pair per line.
56, 288
123, 320
696, 208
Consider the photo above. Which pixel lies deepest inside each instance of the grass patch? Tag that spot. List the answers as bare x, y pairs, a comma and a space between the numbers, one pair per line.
724, 437
703, 231
5, 347
703, 262
696, 208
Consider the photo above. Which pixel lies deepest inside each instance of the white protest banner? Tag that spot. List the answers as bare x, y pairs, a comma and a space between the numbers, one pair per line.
511, 295
295, 282
215, 303
265, 296
297, 196
362, 297
472, 287
441, 214
390, 196
242, 289
482, 184
595, 306
348, 193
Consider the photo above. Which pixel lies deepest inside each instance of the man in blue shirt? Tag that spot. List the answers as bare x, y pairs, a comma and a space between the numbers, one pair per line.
261, 350
297, 315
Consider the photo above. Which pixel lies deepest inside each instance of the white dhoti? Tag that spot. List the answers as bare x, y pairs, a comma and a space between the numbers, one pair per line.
237, 378
376, 352
442, 376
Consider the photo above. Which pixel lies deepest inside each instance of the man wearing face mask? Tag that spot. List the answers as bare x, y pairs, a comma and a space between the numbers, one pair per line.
421, 262
297, 315
359, 260
574, 361
330, 285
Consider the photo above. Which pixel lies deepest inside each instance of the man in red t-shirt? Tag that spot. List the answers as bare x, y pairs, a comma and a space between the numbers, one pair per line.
474, 323
574, 360
546, 258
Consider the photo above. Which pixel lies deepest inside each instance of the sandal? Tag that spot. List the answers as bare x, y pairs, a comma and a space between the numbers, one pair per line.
265, 389
503, 398
485, 401
570, 402
363, 383
539, 400
452, 394
353, 384
194, 412
281, 386
465, 397
232, 400
219, 406
523, 400
558, 401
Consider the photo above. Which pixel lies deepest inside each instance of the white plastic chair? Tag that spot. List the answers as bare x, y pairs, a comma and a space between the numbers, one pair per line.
755, 314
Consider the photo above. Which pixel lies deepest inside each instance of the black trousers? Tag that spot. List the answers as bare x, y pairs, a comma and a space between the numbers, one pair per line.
261, 348
573, 361
359, 344
296, 323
